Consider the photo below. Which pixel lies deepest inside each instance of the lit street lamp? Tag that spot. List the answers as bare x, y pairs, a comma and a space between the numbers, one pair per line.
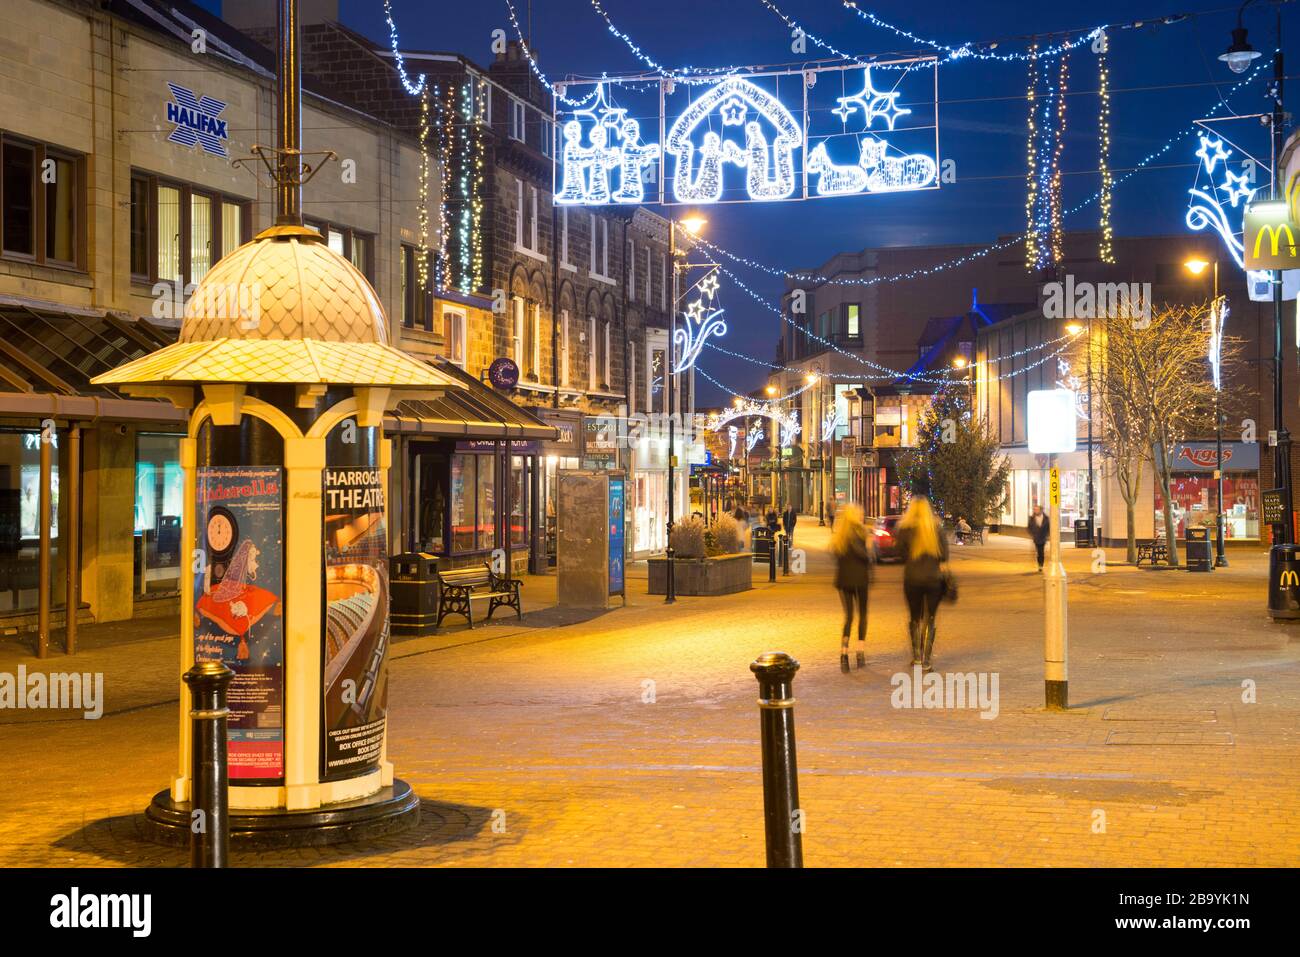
1218, 313
692, 224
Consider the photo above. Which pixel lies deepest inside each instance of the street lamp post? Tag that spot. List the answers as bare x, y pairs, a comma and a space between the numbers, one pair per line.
1196, 267
692, 225
1238, 57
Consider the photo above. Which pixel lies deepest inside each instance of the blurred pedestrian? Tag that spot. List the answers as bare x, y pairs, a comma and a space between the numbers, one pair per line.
851, 545
924, 550
1040, 526
788, 519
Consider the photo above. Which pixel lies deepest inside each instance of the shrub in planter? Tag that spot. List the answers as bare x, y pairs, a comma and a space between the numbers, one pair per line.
726, 534
688, 539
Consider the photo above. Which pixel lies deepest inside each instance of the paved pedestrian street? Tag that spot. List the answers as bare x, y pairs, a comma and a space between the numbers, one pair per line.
631, 738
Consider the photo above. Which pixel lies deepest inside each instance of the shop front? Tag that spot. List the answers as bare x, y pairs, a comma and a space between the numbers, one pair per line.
1194, 489
467, 476
106, 467
1029, 481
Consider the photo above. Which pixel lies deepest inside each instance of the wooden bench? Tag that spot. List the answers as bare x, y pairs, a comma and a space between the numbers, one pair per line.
459, 587
975, 535
1152, 552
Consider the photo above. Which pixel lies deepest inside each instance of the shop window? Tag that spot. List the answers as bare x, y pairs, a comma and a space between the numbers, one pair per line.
20, 484
1195, 502
430, 495
473, 502
179, 232
518, 501
159, 498
40, 202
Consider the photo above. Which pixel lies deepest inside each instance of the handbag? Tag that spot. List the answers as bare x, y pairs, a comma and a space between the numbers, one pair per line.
948, 586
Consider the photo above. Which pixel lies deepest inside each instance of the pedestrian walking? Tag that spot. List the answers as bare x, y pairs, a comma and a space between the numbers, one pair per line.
854, 556
1040, 527
788, 519
773, 522
924, 550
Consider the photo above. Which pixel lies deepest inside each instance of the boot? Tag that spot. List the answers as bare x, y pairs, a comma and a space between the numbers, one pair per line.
862, 659
915, 629
929, 645
844, 663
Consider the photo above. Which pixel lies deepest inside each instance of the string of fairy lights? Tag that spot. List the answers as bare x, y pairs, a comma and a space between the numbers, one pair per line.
1106, 247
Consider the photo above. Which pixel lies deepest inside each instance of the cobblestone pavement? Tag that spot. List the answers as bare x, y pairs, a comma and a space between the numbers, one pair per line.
631, 738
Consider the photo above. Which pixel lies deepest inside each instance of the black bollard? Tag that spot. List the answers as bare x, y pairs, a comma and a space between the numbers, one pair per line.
771, 557
782, 816
210, 828
785, 555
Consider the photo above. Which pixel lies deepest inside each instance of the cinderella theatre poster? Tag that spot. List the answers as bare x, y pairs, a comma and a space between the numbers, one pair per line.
238, 608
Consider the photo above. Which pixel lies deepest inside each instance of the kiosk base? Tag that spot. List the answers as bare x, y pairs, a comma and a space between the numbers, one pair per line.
392, 809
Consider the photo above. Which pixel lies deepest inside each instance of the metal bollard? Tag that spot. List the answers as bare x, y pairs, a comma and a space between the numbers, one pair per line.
771, 558
785, 555
210, 834
782, 816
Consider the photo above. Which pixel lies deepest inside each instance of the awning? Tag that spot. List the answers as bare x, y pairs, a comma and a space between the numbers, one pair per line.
475, 412
49, 353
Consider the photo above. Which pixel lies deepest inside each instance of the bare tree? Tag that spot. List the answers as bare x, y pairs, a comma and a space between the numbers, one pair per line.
1155, 391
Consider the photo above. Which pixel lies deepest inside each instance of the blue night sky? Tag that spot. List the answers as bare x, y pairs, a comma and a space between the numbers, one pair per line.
982, 112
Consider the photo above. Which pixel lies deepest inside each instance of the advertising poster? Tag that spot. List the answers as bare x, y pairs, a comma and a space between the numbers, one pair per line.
355, 654
238, 608
616, 496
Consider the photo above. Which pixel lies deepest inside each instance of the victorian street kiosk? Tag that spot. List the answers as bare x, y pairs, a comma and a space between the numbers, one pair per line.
285, 478
284, 363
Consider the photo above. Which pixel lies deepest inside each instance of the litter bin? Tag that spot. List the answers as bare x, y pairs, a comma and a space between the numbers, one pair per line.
1199, 556
760, 542
413, 594
1082, 533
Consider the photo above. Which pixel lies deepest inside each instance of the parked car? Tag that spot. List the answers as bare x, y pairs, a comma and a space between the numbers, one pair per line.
883, 530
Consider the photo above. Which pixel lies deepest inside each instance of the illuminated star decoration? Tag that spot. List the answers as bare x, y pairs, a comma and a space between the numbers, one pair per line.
873, 102
733, 112
709, 285
695, 311
1210, 158
600, 113
1235, 186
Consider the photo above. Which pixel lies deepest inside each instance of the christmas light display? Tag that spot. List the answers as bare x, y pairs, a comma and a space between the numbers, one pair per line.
1032, 237
702, 320
1054, 188
422, 263
416, 88
700, 180
754, 436
613, 146
787, 419
1205, 210
1105, 248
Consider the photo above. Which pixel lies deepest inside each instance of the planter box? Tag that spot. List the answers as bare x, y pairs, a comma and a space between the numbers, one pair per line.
703, 576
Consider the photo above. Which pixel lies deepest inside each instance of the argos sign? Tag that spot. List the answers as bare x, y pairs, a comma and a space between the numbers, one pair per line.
195, 120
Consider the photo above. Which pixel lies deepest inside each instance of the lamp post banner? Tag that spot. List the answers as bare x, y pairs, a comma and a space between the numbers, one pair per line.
238, 608
355, 652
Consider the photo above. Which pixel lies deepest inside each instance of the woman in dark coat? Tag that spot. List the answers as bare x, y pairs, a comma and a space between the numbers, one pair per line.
851, 545
924, 548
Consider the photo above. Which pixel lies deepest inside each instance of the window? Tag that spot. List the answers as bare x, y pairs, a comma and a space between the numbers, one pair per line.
412, 297
517, 330
532, 343
631, 382
663, 283
453, 324
591, 353
179, 232
647, 276
599, 247
655, 381
564, 347
526, 217
41, 203
564, 238
159, 496
852, 323
353, 245
631, 270
20, 485
606, 375
473, 502
518, 501
518, 116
